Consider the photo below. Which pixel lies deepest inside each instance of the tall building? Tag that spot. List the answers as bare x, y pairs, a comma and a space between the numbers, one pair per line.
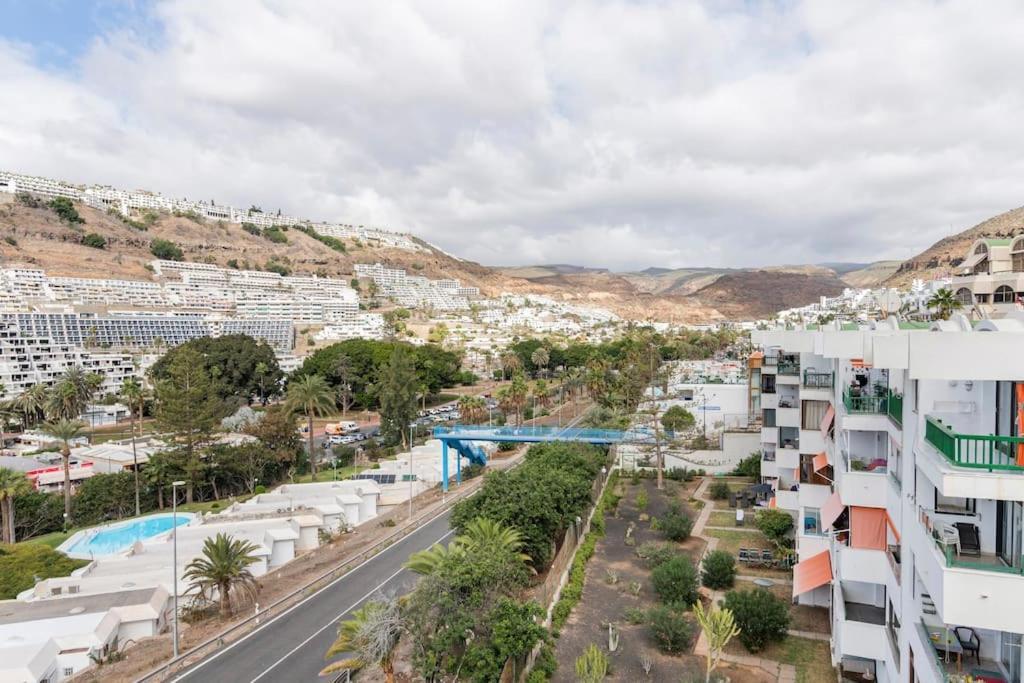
899, 450
990, 279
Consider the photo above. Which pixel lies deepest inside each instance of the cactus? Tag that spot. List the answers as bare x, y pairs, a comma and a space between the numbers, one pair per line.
611, 576
613, 638
592, 665
646, 664
634, 588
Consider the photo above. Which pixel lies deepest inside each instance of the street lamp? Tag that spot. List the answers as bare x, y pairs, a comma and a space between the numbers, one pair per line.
174, 563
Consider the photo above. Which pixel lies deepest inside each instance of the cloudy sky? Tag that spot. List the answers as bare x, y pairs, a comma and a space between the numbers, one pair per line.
611, 134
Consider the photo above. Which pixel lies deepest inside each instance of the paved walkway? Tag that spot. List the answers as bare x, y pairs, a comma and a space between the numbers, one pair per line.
783, 673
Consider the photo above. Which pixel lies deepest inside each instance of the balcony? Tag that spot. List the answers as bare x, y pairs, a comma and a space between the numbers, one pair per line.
816, 379
958, 540
952, 663
977, 451
894, 408
787, 500
789, 367
864, 404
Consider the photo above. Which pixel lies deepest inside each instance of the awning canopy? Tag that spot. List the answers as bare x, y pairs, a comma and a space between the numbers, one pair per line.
813, 572
892, 526
1020, 421
826, 422
831, 510
972, 260
867, 527
820, 461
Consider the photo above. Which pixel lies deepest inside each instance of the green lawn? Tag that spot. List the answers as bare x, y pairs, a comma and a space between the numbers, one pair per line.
328, 474
729, 518
811, 658
52, 539
731, 541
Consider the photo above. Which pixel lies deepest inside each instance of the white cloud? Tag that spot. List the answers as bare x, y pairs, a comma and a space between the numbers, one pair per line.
617, 134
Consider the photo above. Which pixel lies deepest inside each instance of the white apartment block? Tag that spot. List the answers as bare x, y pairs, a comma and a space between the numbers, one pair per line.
990, 280
415, 291
30, 359
899, 450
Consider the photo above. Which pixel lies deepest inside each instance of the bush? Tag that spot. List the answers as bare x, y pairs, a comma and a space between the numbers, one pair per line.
654, 554
251, 228
260, 488
272, 266
165, 249
718, 490
275, 235
675, 525
641, 500
749, 466
762, 617
718, 570
11, 241
592, 665
774, 524
634, 615
675, 581
21, 566
671, 630
94, 240
505, 446
63, 207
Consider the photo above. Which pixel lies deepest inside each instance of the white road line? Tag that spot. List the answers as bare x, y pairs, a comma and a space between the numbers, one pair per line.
243, 639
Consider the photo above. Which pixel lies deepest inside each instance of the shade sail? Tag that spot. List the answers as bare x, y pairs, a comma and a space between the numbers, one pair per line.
831, 510
867, 527
820, 461
892, 526
826, 422
813, 572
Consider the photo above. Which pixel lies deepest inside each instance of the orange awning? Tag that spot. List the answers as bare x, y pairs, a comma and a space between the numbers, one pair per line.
892, 526
771, 503
1020, 421
756, 355
867, 527
820, 461
813, 572
826, 422
831, 510
859, 363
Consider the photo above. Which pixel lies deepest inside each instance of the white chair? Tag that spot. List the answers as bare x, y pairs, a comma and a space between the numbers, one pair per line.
948, 535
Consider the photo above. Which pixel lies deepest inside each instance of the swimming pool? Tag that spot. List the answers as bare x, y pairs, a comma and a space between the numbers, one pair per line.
118, 537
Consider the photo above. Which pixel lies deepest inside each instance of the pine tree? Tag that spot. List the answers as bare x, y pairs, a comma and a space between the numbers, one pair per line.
397, 390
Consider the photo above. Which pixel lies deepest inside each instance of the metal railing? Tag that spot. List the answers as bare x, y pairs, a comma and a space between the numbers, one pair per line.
978, 451
894, 408
815, 379
789, 367
946, 540
864, 404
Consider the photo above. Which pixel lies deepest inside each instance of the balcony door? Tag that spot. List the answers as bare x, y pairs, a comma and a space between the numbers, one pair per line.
1009, 654
1009, 521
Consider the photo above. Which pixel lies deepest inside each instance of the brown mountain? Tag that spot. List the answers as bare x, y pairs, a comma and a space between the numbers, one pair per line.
939, 259
36, 236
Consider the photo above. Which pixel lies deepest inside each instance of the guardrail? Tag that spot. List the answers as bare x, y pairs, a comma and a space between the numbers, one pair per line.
979, 451
206, 648
864, 404
788, 367
814, 379
894, 408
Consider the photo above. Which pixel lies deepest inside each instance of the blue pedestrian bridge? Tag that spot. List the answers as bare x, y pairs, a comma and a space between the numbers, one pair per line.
461, 438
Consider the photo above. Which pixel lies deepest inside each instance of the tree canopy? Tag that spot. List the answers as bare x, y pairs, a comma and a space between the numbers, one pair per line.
242, 367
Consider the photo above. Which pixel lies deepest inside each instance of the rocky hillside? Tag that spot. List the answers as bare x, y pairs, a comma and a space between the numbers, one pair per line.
941, 257
871, 274
36, 236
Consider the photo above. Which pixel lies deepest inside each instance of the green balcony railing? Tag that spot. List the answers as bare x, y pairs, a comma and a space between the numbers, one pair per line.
789, 367
815, 379
979, 451
894, 408
864, 404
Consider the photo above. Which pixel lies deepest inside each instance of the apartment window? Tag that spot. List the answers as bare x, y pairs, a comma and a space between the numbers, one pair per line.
768, 384
964, 296
813, 414
69, 671
1017, 256
769, 417
1004, 295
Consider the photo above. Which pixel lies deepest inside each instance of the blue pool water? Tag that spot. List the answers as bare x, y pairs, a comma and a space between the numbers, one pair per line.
121, 536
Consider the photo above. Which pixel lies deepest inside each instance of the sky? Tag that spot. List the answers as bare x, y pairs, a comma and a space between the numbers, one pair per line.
615, 134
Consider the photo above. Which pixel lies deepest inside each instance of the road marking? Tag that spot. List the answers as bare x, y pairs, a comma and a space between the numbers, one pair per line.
243, 639
334, 621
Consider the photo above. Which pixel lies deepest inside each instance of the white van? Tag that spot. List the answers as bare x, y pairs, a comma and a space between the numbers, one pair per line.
348, 427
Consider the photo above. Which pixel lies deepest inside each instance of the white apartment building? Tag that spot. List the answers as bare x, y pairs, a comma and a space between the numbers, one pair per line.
899, 450
29, 359
990, 279
415, 291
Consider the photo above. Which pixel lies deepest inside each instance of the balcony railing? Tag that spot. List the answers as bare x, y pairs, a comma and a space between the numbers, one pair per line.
865, 404
771, 360
979, 451
950, 546
894, 408
892, 554
789, 367
814, 379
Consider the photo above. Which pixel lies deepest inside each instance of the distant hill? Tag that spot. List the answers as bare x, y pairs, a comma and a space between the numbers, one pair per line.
761, 293
939, 259
870, 275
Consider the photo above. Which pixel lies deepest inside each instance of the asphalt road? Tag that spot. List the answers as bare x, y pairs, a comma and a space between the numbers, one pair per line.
291, 647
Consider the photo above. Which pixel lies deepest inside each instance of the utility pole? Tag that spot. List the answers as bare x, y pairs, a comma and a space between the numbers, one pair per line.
410, 473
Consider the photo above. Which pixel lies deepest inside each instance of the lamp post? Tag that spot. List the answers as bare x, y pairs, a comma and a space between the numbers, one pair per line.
410, 473
174, 562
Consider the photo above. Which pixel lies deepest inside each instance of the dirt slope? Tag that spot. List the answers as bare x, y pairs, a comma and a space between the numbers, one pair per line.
760, 293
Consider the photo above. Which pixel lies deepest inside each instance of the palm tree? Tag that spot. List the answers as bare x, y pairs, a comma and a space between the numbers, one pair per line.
133, 395
540, 358
945, 302
483, 535
12, 484
510, 364
30, 403
472, 409
426, 562
261, 371
370, 636
65, 431
70, 396
311, 396
223, 568
517, 392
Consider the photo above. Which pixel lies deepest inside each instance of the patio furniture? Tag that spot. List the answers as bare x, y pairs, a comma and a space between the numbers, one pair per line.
970, 540
767, 557
763, 583
732, 500
944, 640
947, 535
749, 556
740, 516
969, 641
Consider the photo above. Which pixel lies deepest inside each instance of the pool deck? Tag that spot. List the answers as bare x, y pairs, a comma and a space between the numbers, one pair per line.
68, 547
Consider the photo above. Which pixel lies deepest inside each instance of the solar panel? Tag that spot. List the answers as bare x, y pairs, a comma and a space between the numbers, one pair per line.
379, 478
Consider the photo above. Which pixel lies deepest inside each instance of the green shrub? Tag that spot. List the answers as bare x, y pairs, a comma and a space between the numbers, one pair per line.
165, 249
505, 446
233, 263
653, 553
94, 240
634, 615
718, 490
749, 466
718, 570
592, 665
671, 630
675, 581
275, 235
545, 666
260, 488
63, 207
22, 565
774, 524
641, 500
675, 525
251, 228
273, 266
762, 617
